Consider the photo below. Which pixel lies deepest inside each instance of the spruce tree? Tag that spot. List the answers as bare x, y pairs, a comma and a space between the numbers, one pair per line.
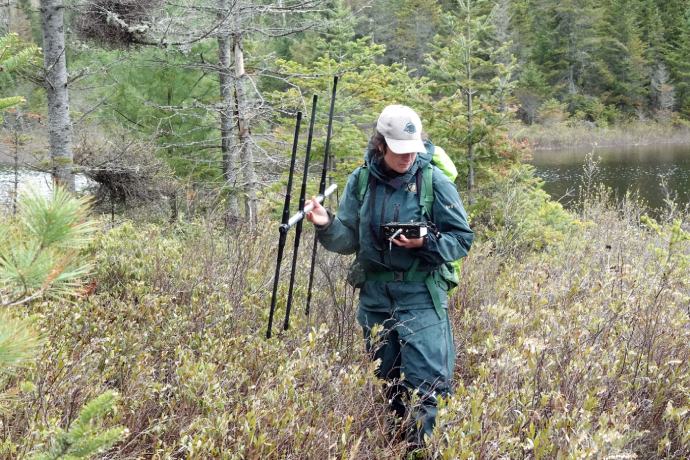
467, 87
623, 69
679, 60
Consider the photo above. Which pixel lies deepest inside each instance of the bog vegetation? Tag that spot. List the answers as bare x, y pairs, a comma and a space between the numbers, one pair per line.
572, 333
132, 323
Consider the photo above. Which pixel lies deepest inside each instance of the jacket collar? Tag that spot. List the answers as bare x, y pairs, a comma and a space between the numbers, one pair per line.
376, 167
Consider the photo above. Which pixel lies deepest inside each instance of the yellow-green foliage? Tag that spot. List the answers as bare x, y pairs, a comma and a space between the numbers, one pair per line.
578, 352
517, 215
176, 325
18, 342
15, 56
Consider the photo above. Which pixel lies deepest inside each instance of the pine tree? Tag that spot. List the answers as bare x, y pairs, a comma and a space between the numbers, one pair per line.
83, 439
40, 250
40, 256
18, 342
15, 57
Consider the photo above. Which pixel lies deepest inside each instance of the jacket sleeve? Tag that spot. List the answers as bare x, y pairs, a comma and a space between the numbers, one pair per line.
341, 234
450, 218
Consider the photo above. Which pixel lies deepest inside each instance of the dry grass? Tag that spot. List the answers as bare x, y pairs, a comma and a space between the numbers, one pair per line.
586, 135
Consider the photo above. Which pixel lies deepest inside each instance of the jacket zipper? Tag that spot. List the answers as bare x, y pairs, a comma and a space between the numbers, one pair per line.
384, 249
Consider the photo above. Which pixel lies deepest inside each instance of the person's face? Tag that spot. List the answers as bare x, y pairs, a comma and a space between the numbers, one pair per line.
399, 162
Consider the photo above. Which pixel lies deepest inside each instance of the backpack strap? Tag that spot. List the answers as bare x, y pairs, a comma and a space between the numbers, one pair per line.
426, 194
362, 182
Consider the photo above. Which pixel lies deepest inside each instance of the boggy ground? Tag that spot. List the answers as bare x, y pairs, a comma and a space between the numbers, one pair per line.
575, 346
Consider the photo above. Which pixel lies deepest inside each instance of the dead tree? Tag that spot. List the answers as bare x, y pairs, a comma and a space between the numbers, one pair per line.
226, 112
230, 23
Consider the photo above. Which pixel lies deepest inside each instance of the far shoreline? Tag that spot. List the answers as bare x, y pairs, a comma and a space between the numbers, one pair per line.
584, 136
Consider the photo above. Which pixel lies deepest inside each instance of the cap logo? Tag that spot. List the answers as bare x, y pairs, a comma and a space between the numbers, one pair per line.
409, 128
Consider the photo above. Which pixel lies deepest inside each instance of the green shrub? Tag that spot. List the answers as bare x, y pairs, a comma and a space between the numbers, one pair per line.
552, 112
517, 215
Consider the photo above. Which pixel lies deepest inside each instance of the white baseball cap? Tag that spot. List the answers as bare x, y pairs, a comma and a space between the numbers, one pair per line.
402, 128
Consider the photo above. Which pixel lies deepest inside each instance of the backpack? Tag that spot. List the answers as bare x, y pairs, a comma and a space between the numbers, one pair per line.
450, 271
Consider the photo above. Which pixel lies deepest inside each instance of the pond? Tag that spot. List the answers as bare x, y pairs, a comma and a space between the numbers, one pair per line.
638, 169
28, 179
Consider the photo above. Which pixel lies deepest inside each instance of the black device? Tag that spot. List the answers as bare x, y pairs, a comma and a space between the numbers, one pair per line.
411, 230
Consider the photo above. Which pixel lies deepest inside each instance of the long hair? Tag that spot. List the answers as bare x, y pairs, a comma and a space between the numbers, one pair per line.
377, 145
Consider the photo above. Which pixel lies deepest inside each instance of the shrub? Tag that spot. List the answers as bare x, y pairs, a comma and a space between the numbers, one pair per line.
517, 216
580, 351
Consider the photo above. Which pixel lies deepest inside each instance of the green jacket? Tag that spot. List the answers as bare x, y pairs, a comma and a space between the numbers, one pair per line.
357, 226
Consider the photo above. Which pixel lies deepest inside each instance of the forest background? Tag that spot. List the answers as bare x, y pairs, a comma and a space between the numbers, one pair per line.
137, 330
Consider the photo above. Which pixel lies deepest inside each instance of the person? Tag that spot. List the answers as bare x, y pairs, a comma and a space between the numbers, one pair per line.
401, 283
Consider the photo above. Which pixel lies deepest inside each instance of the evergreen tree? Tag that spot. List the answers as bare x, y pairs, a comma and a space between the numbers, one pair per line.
83, 439
40, 255
672, 14
406, 27
467, 87
40, 251
624, 74
679, 60
652, 31
532, 90
15, 57
564, 42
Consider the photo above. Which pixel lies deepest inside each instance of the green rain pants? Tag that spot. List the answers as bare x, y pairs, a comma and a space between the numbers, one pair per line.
415, 347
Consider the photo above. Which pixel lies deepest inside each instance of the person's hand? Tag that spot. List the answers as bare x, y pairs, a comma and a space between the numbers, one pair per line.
318, 215
409, 243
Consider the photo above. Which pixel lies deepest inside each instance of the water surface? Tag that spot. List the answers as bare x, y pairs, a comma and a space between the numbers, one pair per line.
28, 179
635, 169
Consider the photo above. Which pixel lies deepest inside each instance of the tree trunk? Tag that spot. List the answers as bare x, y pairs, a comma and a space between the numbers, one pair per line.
227, 110
469, 92
55, 68
5, 14
246, 152
470, 149
16, 139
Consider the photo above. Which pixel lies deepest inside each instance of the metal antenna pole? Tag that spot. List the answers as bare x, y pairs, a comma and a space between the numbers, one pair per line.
298, 227
322, 188
285, 217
